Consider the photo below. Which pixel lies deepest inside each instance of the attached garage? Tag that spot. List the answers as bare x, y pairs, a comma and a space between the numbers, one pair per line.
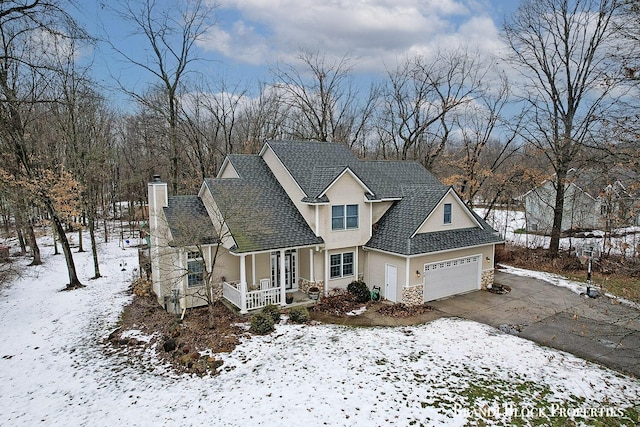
451, 277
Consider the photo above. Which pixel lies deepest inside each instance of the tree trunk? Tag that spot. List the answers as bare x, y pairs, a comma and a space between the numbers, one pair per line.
23, 245
106, 231
74, 282
35, 250
80, 246
55, 242
94, 248
556, 229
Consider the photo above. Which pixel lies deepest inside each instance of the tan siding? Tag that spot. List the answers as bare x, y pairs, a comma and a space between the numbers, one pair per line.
229, 172
290, 187
345, 191
379, 209
460, 217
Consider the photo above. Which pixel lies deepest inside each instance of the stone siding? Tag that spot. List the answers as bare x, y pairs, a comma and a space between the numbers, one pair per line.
486, 280
304, 285
216, 291
413, 295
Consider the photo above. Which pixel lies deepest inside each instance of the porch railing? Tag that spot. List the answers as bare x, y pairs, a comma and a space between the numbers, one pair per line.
232, 294
263, 297
255, 299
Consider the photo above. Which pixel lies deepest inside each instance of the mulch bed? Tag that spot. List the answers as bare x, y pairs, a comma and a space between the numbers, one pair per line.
179, 342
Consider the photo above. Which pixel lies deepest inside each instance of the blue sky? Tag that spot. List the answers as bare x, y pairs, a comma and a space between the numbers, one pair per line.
252, 35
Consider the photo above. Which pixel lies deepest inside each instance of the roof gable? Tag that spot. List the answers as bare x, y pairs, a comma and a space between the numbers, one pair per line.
431, 223
256, 209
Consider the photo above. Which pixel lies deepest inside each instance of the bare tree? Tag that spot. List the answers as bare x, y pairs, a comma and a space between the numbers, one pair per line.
487, 138
324, 102
421, 94
560, 48
171, 34
32, 35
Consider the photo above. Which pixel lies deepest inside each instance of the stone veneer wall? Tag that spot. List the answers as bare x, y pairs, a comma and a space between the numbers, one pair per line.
486, 279
216, 291
304, 285
413, 295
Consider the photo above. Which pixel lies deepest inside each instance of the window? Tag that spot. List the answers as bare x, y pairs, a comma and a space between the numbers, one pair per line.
344, 217
447, 213
341, 265
195, 271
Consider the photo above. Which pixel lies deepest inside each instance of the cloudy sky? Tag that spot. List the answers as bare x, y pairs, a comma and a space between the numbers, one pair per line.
374, 31
252, 35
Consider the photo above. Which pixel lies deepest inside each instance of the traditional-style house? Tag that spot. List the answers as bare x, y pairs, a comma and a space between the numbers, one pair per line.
311, 214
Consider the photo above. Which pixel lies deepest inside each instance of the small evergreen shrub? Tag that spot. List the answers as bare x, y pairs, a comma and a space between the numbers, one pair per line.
299, 314
272, 311
360, 290
261, 323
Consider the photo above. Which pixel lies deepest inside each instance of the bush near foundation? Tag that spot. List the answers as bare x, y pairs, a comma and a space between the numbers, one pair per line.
360, 290
272, 311
299, 314
262, 323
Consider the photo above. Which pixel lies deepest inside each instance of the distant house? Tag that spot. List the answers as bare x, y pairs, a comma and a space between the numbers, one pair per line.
588, 204
311, 214
618, 207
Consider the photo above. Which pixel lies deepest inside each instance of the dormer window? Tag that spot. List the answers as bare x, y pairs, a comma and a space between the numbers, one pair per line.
344, 217
447, 213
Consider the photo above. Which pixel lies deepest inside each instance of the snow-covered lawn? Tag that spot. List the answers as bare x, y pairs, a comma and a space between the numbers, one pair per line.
511, 223
54, 369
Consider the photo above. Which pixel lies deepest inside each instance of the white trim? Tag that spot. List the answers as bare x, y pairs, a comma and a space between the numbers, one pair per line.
431, 253
311, 265
224, 165
317, 221
268, 251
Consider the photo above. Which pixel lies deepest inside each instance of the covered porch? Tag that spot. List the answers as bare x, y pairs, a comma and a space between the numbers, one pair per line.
269, 277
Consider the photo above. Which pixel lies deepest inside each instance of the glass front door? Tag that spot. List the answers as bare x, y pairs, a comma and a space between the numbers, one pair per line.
289, 268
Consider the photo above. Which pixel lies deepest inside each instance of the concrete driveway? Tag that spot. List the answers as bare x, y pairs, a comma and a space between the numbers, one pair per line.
601, 330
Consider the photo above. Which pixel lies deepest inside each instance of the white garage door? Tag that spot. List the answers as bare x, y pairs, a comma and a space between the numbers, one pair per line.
455, 276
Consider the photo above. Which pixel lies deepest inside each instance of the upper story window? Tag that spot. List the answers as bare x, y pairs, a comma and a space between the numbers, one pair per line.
344, 217
195, 270
447, 213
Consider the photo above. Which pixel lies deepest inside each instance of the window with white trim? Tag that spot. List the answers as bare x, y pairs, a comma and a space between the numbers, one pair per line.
341, 265
195, 270
447, 213
344, 217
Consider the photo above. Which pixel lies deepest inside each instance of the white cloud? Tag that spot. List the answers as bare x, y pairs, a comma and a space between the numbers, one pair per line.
374, 31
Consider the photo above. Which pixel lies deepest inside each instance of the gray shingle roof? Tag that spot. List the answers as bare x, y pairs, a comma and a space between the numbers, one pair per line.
189, 221
394, 231
257, 210
315, 165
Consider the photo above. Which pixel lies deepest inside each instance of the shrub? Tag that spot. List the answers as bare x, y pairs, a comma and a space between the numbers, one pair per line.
272, 311
299, 314
261, 323
360, 290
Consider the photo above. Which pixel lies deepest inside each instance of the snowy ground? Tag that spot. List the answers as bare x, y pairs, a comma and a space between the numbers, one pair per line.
54, 370
510, 223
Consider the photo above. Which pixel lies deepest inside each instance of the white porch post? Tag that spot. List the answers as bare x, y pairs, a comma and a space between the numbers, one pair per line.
311, 273
283, 289
243, 284
407, 273
326, 271
253, 269
356, 269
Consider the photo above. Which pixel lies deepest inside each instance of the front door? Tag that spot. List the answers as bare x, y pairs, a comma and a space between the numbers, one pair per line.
391, 282
289, 268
